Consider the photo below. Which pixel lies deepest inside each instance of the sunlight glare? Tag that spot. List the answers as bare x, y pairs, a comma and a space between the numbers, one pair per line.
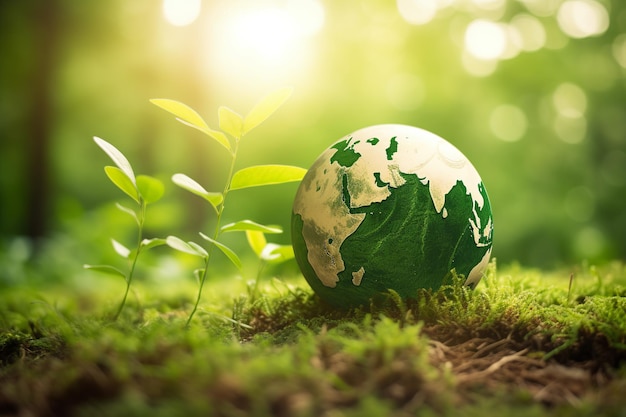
260, 43
269, 33
308, 15
181, 12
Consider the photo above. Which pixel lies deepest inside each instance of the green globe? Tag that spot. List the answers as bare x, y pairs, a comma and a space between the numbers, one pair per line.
390, 207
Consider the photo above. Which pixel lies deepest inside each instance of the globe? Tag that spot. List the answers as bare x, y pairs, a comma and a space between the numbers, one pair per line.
390, 207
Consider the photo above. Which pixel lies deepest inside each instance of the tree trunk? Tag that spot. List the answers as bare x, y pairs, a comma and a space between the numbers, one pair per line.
38, 173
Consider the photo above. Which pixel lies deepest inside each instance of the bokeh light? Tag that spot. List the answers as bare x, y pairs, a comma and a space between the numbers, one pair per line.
478, 67
542, 8
532, 35
570, 130
589, 242
583, 18
181, 12
619, 49
485, 39
417, 12
508, 123
570, 100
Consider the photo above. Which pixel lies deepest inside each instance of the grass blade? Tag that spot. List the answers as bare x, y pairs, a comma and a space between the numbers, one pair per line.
118, 158
265, 108
230, 254
121, 181
246, 225
258, 175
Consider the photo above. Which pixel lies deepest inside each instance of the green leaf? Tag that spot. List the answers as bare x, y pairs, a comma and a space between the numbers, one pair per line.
256, 240
183, 181
220, 138
230, 254
150, 189
128, 211
198, 248
182, 246
265, 108
190, 117
121, 181
182, 111
230, 122
258, 175
245, 225
107, 269
277, 253
121, 250
152, 243
198, 273
118, 158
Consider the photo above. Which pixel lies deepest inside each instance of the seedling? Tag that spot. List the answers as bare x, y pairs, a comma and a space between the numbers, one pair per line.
233, 127
268, 253
143, 190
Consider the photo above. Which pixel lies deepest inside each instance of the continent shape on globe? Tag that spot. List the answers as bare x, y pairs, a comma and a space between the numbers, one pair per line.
390, 207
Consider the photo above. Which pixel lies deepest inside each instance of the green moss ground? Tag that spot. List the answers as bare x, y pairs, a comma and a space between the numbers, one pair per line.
524, 342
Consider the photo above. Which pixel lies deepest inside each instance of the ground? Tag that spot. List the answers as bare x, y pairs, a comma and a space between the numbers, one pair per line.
524, 342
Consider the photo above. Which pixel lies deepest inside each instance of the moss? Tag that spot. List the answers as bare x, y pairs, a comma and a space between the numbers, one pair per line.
523, 341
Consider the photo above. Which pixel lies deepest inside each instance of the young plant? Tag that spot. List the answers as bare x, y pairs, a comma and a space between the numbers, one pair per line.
268, 253
233, 127
143, 190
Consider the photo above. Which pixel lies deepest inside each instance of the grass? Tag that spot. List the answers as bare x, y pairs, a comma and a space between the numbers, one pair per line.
525, 342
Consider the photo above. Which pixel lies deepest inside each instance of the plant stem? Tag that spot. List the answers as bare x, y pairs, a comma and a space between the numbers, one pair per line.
255, 290
129, 279
216, 232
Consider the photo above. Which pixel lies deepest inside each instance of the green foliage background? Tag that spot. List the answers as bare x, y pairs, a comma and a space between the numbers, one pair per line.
72, 70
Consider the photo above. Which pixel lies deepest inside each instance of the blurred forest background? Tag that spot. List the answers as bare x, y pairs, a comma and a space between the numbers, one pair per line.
532, 91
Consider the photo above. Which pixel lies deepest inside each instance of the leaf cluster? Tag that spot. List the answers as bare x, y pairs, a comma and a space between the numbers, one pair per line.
145, 190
